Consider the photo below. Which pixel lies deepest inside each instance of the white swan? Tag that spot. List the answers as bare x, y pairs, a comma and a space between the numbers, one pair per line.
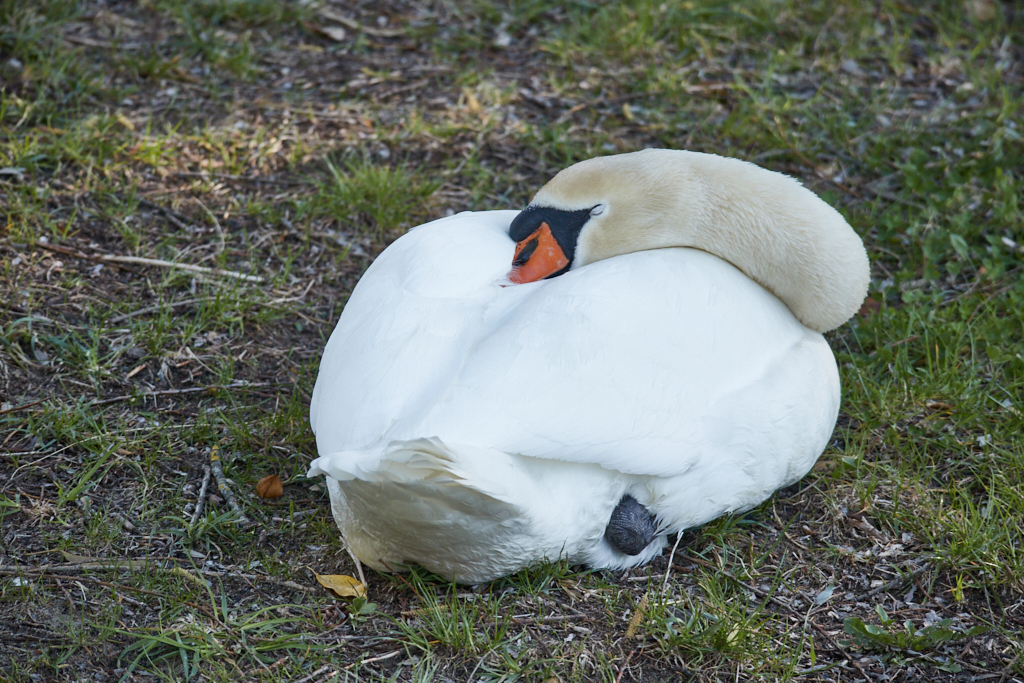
476, 426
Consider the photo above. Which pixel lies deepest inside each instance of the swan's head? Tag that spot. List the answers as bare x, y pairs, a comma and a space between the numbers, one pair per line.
777, 232
546, 240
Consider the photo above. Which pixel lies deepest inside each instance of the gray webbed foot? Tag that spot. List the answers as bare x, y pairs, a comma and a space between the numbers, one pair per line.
631, 527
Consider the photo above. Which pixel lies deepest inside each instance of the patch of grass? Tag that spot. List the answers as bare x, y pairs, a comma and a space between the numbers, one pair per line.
185, 648
220, 31
368, 198
45, 83
247, 13
893, 636
468, 623
697, 633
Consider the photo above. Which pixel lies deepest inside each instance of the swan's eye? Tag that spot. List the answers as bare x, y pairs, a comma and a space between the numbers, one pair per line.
597, 210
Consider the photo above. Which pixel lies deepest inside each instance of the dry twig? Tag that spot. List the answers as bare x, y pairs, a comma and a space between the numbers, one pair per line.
625, 664
141, 261
129, 565
212, 389
160, 263
223, 488
23, 406
201, 503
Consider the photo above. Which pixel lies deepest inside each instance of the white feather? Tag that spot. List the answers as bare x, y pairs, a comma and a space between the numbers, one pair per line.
476, 428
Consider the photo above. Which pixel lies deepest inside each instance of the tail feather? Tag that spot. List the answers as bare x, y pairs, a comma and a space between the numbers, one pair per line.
427, 459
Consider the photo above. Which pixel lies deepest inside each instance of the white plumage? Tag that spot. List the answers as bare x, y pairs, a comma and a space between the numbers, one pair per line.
475, 428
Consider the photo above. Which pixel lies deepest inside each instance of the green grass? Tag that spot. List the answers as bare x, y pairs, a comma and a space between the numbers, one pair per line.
231, 135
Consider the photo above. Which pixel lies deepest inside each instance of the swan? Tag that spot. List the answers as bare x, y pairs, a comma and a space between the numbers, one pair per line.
636, 353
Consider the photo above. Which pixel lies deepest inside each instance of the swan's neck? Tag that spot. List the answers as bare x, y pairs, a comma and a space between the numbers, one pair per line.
776, 231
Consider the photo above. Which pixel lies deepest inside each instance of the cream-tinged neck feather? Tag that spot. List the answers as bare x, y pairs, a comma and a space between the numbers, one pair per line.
779, 233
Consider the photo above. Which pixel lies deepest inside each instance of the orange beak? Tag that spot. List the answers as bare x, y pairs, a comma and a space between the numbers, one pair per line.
537, 257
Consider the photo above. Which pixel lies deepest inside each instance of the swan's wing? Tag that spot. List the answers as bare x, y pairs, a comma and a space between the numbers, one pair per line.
649, 363
407, 327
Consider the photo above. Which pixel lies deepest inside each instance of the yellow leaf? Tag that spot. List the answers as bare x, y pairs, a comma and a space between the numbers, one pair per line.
345, 586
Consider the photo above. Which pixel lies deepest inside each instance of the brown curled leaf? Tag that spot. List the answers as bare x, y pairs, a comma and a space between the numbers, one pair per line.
270, 486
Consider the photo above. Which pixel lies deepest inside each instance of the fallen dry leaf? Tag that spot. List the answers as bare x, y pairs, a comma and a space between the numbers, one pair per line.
335, 33
77, 559
345, 586
270, 486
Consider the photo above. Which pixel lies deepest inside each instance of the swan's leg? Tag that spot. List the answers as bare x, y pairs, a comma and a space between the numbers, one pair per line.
359, 565
631, 527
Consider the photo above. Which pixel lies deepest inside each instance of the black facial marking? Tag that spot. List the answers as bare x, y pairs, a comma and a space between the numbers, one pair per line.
565, 228
631, 527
